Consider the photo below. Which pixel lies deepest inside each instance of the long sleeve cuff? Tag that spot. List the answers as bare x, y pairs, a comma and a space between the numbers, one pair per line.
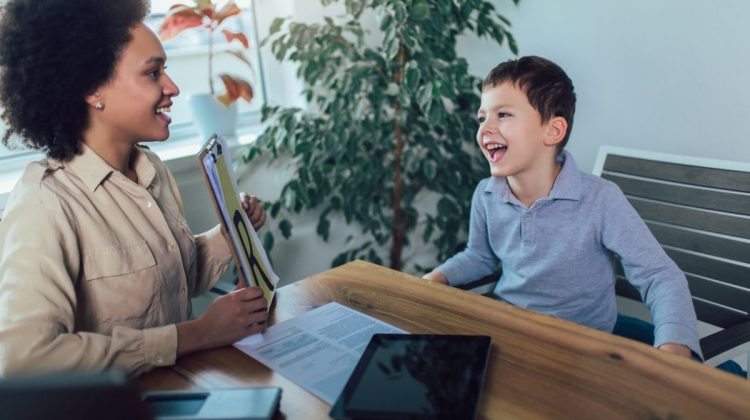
459, 271
453, 273
160, 345
678, 333
217, 244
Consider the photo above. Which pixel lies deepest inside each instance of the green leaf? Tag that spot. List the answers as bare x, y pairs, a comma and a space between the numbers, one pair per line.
413, 75
430, 169
424, 96
268, 241
446, 206
420, 12
275, 25
512, 43
275, 209
303, 147
324, 228
399, 12
386, 22
339, 260
285, 226
391, 48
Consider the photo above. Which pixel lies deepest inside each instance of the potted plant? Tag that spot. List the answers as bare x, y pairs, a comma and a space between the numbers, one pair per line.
213, 112
387, 141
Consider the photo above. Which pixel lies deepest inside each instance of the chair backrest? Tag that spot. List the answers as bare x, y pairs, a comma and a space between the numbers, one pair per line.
699, 211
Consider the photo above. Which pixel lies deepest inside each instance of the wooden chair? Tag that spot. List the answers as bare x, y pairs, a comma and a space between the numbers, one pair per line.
699, 211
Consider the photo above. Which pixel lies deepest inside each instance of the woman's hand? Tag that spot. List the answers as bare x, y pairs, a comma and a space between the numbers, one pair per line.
229, 318
254, 209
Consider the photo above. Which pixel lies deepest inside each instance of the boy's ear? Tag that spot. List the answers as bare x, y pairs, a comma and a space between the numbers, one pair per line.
557, 127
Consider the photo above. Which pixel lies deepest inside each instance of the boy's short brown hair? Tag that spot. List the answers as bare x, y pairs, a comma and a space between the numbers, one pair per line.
547, 87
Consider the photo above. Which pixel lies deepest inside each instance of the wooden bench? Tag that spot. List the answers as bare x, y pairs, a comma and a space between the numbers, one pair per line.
699, 211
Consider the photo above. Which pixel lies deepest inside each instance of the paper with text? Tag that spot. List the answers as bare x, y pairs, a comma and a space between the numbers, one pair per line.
253, 262
319, 349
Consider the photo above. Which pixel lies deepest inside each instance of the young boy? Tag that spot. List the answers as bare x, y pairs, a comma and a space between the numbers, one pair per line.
554, 229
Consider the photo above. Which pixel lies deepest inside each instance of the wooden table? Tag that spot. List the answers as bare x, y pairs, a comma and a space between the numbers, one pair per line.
540, 367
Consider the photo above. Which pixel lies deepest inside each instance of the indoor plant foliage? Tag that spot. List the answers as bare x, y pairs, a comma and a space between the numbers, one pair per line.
204, 14
389, 120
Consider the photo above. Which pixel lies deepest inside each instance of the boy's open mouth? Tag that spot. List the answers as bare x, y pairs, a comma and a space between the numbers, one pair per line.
495, 151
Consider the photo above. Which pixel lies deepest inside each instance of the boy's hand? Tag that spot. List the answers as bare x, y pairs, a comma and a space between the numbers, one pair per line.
254, 209
678, 349
436, 276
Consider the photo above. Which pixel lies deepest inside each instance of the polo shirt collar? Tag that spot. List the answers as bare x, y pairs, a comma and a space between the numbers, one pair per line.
567, 185
93, 170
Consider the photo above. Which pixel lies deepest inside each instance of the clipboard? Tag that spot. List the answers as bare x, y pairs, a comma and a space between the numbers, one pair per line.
247, 250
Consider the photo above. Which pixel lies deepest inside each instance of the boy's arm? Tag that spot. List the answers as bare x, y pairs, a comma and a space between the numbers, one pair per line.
661, 283
477, 260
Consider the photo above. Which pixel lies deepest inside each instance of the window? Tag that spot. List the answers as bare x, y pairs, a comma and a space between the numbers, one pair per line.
188, 66
161, 6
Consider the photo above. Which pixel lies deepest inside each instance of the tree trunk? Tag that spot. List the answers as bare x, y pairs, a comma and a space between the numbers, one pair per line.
398, 232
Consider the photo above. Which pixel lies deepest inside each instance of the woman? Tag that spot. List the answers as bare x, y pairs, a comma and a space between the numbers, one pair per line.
97, 263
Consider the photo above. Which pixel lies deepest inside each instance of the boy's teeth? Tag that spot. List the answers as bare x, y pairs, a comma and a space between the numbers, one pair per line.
163, 110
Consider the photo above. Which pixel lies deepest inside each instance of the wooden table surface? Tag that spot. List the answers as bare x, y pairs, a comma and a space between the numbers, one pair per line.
540, 367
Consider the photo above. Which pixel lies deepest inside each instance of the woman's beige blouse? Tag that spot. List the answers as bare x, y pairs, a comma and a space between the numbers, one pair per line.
95, 269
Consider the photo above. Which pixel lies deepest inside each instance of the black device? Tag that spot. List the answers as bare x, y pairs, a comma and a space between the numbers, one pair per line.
225, 404
413, 376
111, 395
71, 396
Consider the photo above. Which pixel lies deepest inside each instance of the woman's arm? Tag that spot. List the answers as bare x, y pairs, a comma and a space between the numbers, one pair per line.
39, 266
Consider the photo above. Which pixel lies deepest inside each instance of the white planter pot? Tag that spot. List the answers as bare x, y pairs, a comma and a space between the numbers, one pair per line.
211, 116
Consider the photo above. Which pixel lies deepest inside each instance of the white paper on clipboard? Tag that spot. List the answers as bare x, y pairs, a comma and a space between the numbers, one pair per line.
249, 254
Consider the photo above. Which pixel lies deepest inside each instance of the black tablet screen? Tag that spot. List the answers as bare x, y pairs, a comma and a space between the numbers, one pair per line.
416, 376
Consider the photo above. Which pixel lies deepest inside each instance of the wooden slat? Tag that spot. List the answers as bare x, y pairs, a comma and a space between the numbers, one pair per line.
720, 293
702, 224
702, 288
721, 271
726, 201
705, 243
687, 174
716, 315
726, 224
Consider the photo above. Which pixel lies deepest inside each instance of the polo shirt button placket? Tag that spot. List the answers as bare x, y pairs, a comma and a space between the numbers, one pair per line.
527, 231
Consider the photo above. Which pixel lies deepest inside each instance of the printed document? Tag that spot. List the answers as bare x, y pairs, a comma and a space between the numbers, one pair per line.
248, 252
319, 349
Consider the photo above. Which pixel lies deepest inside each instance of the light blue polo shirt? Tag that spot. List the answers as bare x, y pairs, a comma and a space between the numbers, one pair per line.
558, 256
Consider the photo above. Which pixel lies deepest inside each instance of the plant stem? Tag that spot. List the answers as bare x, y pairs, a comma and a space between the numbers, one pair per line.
398, 232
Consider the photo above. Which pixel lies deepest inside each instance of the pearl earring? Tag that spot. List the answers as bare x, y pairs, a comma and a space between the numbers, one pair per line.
99, 106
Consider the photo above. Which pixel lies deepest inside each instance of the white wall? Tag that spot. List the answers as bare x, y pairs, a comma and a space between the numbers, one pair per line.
662, 75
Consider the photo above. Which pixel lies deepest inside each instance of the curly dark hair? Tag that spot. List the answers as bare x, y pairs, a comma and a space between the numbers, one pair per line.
53, 54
